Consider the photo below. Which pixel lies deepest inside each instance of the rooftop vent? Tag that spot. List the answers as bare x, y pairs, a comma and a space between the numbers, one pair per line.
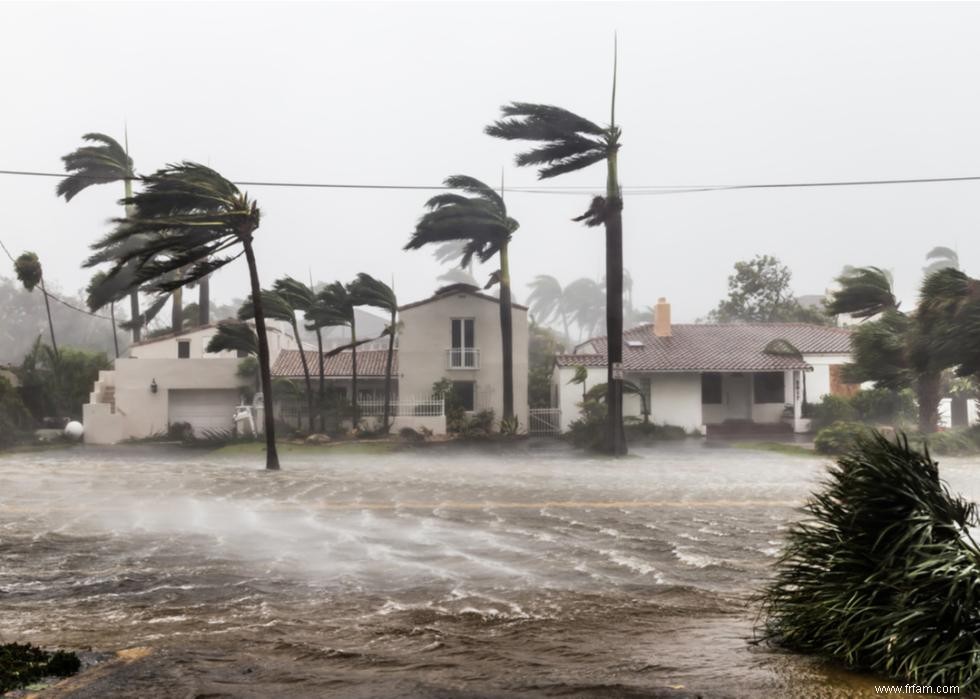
634, 343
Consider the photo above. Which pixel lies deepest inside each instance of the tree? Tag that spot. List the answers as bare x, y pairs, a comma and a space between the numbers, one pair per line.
481, 222
97, 280
940, 257
896, 350
303, 298
585, 301
759, 291
30, 273
278, 307
184, 223
547, 301
336, 307
375, 293
543, 345
568, 143
101, 164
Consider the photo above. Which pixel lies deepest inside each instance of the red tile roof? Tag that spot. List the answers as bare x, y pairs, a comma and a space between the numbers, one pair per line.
369, 363
719, 347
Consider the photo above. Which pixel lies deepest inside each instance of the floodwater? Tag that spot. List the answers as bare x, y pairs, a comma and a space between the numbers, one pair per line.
428, 573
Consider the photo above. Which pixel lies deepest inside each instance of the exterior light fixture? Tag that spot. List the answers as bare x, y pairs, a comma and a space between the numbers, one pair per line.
153, 386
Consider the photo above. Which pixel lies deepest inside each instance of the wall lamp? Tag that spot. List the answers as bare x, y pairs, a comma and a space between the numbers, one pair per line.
153, 386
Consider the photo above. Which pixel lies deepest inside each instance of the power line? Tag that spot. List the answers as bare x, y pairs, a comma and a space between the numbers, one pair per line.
572, 189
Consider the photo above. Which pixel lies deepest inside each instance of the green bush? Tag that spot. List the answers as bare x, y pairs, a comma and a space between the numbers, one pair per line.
885, 406
22, 664
884, 575
14, 418
648, 431
832, 409
588, 432
839, 437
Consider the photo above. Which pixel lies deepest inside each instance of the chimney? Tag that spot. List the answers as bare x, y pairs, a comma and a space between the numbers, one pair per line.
661, 318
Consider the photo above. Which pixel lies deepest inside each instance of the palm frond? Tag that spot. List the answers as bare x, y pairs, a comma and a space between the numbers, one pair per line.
864, 292
97, 164
234, 336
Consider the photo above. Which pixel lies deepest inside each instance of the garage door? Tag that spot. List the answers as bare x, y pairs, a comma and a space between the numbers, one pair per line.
203, 409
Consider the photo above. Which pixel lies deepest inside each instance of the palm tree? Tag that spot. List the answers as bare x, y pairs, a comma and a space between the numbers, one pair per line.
336, 303
234, 336
896, 349
547, 301
30, 273
583, 298
101, 164
97, 280
941, 257
482, 224
303, 298
568, 143
184, 222
278, 307
375, 293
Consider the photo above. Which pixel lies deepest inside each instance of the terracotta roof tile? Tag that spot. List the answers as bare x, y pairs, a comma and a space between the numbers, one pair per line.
718, 347
369, 363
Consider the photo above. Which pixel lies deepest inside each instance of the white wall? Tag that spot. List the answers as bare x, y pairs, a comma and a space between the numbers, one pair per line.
818, 380
426, 334
278, 332
570, 395
675, 399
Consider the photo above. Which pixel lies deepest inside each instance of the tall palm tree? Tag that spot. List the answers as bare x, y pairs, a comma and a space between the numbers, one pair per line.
278, 307
30, 273
375, 293
98, 279
103, 163
185, 222
303, 298
482, 224
547, 301
234, 336
568, 143
584, 300
336, 306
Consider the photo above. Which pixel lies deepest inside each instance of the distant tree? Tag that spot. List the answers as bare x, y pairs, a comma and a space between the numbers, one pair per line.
184, 223
97, 280
29, 272
336, 307
583, 298
59, 384
375, 293
278, 307
759, 291
543, 345
547, 301
940, 257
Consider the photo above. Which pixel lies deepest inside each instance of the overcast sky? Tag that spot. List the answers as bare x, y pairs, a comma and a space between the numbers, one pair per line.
399, 94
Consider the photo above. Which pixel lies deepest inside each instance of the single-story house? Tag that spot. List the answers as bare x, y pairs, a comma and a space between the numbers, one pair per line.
713, 377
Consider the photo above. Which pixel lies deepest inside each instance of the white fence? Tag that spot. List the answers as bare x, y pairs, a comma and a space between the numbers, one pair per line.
413, 407
544, 421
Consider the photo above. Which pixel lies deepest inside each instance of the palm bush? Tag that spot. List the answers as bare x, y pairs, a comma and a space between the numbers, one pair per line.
884, 575
840, 437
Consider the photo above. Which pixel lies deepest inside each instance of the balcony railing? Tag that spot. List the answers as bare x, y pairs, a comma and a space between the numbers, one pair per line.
463, 358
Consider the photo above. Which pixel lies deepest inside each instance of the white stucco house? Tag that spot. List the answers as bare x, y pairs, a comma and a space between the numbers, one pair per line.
715, 377
454, 334
170, 379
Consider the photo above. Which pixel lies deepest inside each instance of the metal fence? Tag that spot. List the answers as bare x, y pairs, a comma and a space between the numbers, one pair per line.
412, 407
544, 421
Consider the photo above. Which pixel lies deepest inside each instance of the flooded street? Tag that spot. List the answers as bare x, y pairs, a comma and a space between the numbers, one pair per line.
434, 572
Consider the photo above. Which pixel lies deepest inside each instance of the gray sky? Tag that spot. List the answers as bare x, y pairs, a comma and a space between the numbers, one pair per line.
399, 94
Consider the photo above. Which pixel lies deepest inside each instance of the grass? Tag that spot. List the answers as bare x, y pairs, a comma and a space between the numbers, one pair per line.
779, 448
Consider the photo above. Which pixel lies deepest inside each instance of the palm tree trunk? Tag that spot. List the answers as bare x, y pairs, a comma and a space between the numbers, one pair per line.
507, 333
134, 296
204, 301
271, 455
355, 417
927, 393
615, 434
306, 373
177, 310
319, 346
388, 363
112, 317
47, 306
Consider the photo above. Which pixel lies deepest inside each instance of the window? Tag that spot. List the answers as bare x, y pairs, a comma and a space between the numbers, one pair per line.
183, 349
769, 387
241, 353
711, 389
465, 392
463, 354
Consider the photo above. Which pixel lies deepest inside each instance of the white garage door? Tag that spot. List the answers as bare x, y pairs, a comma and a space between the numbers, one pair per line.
204, 409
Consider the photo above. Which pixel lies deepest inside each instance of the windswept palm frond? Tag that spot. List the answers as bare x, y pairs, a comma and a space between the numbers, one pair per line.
274, 305
864, 292
941, 257
369, 291
96, 164
234, 336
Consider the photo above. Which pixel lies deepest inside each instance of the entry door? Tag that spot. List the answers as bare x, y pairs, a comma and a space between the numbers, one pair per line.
737, 397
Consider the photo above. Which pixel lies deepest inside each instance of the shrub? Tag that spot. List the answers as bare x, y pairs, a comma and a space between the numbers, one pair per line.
883, 405
588, 432
22, 664
947, 443
832, 409
884, 576
510, 426
839, 437
407, 434
649, 431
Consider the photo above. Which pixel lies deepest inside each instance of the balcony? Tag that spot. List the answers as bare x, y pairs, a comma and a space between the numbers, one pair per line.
463, 358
